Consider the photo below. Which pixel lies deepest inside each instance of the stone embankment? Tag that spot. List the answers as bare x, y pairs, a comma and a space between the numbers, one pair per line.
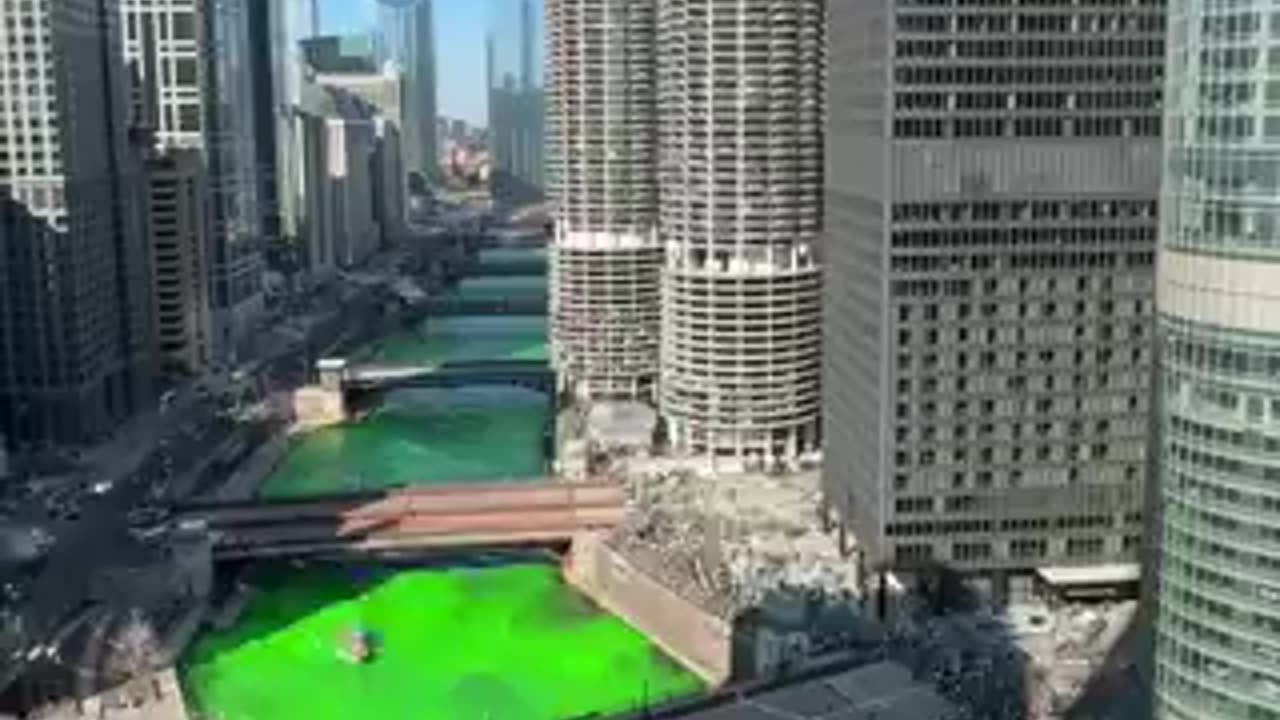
700, 640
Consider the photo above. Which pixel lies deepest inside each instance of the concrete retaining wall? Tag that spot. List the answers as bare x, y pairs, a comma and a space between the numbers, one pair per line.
700, 641
245, 481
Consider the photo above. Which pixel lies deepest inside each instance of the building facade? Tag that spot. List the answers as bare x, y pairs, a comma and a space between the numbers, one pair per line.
342, 148
190, 65
75, 345
383, 93
740, 98
1218, 641
602, 169
989, 255
276, 30
517, 111
176, 214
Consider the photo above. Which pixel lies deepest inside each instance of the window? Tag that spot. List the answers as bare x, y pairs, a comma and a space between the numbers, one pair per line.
189, 118
184, 26
185, 71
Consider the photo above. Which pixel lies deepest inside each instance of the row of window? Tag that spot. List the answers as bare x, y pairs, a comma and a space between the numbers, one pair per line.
943, 128
1064, 209
1064, 100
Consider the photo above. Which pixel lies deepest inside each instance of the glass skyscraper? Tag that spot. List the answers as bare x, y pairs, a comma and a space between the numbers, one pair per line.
406, 37
516, 104
1218, 642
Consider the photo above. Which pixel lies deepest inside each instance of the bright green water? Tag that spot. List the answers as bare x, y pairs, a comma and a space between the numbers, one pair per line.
498, 286
438, 340
508, 643
422, 436
436, 436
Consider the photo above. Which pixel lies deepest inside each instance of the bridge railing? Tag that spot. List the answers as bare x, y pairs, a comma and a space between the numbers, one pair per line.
421, 499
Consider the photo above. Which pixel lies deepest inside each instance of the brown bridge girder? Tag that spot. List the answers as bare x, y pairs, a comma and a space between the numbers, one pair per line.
429, 517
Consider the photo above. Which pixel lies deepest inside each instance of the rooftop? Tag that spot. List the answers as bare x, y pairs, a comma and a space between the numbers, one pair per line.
879, 691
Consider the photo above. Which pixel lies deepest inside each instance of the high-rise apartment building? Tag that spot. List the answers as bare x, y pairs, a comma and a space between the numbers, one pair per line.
740, 105
176, 212
991, 191
517, 111
602, 165
1218, 641
190, 63
406, 36
75, 348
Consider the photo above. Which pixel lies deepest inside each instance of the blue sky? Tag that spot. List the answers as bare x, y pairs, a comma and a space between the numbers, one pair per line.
460, 32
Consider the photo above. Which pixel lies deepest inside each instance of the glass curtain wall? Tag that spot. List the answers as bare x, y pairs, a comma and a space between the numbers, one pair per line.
1218, 641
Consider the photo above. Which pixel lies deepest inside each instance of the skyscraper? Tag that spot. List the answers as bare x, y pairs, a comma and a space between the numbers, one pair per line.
406, 36
276, 29
992, 178
75, 343
602, 134
190, 65
740, 97
516, 103
1218, 643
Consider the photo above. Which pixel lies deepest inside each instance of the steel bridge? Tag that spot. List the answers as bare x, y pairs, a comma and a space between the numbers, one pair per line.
531, 305
456, 516
533, 375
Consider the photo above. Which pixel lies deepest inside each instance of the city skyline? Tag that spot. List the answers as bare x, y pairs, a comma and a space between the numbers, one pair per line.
938, 336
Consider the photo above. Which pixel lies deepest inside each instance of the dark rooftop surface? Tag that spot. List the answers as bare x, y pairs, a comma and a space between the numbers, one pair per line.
879, 691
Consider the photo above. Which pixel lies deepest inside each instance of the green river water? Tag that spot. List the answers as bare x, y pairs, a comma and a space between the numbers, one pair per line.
510, 642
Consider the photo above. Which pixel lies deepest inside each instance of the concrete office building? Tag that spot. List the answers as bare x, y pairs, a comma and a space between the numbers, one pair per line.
341, 145
389, 183
517, 111
75, 349
176, 213
1218, 642
602, 134
992, 178
192, 83
315, 236
383, 93
740, 98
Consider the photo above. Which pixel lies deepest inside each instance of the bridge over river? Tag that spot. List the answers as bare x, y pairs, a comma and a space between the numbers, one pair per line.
490, 514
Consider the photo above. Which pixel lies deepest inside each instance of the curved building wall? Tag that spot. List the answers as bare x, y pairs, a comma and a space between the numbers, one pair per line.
740, 141
601, 133
1218, 645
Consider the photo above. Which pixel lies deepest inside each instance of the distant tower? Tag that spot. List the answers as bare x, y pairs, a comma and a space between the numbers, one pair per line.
516, 103
406, 34
527, 33
601, 135
315, 18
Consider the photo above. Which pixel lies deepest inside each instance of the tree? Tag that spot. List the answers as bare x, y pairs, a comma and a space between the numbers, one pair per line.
134, 652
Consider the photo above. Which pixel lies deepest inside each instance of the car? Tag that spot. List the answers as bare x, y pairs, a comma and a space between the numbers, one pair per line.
101, 488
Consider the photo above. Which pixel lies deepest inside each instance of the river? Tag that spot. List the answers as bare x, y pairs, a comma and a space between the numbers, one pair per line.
455, 642
427, 436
